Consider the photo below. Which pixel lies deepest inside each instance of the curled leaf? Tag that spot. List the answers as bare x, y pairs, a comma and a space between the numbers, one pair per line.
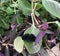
40, 35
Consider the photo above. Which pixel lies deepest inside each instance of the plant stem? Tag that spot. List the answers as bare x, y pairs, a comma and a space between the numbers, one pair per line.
36, 20
7, 51
33, 14
32, 6
55, 22
51, 22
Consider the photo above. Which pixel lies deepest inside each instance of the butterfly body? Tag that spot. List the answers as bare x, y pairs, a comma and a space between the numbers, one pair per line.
29, 37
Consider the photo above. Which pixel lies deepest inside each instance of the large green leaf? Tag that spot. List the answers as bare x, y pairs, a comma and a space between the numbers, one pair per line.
52, 6
31, 48
18, 44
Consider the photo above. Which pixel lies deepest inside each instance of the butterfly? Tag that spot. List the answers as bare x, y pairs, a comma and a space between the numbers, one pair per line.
29, 37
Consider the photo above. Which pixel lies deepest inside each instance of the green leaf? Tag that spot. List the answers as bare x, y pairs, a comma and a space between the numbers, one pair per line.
18, 20
4, 1
14, 5
38, 6
4, 24
37, 14
39, 0
1, 31
9, 10
32, 30
52, 6
24, 5
53, 16
31, 48
18, 44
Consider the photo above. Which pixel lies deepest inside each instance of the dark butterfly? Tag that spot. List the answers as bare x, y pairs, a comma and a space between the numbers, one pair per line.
29, 37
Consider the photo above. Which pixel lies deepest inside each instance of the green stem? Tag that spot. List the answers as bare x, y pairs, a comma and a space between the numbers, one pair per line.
52, 22
32, 6
33, 14
55, 22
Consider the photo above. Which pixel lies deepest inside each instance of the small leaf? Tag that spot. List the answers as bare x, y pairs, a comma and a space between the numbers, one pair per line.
9, 10
37, 14
13, 5
38, 6
18, 44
